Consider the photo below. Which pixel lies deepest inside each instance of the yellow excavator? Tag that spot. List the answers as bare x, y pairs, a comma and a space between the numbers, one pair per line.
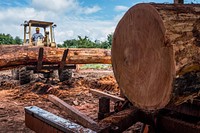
24, 74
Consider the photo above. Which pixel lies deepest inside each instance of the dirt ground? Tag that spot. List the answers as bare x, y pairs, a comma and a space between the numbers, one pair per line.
13, 97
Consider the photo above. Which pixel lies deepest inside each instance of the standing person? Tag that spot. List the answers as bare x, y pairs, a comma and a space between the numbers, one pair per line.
36, 36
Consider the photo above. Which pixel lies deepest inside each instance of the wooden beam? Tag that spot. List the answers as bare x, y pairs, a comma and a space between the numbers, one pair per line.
104, 107
74, 113
169, 124
103, 94
190, 109
119, 122
42, 121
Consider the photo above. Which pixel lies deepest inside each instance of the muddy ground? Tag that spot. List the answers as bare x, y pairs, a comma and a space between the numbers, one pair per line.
13, 97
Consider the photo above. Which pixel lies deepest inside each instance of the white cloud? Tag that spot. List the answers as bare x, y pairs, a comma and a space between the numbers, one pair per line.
55, 5
68, 27
89, 10
63, 6
94, 29
121, 8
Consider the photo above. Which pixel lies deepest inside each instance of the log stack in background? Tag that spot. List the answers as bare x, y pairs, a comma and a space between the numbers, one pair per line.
151, 45
15, 56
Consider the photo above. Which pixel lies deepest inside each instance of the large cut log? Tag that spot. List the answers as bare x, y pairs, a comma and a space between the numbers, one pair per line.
13, 56
151, 44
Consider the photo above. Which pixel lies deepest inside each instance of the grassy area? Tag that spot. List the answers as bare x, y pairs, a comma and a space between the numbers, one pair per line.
96, 66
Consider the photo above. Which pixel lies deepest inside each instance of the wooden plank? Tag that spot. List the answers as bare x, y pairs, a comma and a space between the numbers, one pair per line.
104, 107
42, 121
40, 58
120, 121
103, 94
74, 113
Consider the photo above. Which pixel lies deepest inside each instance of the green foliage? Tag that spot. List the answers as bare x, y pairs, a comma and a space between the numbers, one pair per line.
81, 42
8, 39
18, 40
85, 42
96, 66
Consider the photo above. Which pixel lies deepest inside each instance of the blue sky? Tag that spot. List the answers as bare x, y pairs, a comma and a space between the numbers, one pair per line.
93, 18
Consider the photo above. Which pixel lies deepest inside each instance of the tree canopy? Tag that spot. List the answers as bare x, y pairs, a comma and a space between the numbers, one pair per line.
8, 39
80, 42
85, 42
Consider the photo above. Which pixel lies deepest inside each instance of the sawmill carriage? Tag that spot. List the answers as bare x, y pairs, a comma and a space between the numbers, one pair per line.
155, 58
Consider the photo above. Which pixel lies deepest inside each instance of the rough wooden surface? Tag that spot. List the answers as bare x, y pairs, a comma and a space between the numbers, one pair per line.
182, 24
74, 113
120, 121
151, 43
103, 94
12, 56
142, 63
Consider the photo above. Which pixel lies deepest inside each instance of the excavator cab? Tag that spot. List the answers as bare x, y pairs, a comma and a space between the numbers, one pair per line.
48, 27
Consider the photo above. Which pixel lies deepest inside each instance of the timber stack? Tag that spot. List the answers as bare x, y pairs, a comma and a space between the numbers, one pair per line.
155, 54
15, 56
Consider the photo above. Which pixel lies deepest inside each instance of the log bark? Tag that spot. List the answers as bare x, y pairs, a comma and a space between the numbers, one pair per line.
15, 56
151, 44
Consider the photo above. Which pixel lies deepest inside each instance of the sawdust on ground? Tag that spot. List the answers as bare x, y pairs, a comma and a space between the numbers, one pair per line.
13, 97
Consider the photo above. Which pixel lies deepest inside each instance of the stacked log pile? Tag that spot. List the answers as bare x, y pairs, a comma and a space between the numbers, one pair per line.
15, 56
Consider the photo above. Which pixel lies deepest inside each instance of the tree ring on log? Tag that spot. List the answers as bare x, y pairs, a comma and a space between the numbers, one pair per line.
143, 64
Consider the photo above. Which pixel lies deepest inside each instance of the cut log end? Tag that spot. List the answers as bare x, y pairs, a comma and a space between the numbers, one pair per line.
153, 43
142, 63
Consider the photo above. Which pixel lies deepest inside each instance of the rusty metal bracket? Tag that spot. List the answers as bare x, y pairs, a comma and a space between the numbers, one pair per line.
40, 59
63, 61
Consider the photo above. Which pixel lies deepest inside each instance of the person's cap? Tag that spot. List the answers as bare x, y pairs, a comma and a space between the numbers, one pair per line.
37, 28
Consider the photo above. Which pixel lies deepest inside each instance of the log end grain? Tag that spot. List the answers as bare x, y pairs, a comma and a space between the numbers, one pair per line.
142, 62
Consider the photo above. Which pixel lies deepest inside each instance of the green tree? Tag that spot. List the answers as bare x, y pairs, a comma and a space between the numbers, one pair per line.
85, 42
109, 39
108, 43
70, 43
8, 39
18, 40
